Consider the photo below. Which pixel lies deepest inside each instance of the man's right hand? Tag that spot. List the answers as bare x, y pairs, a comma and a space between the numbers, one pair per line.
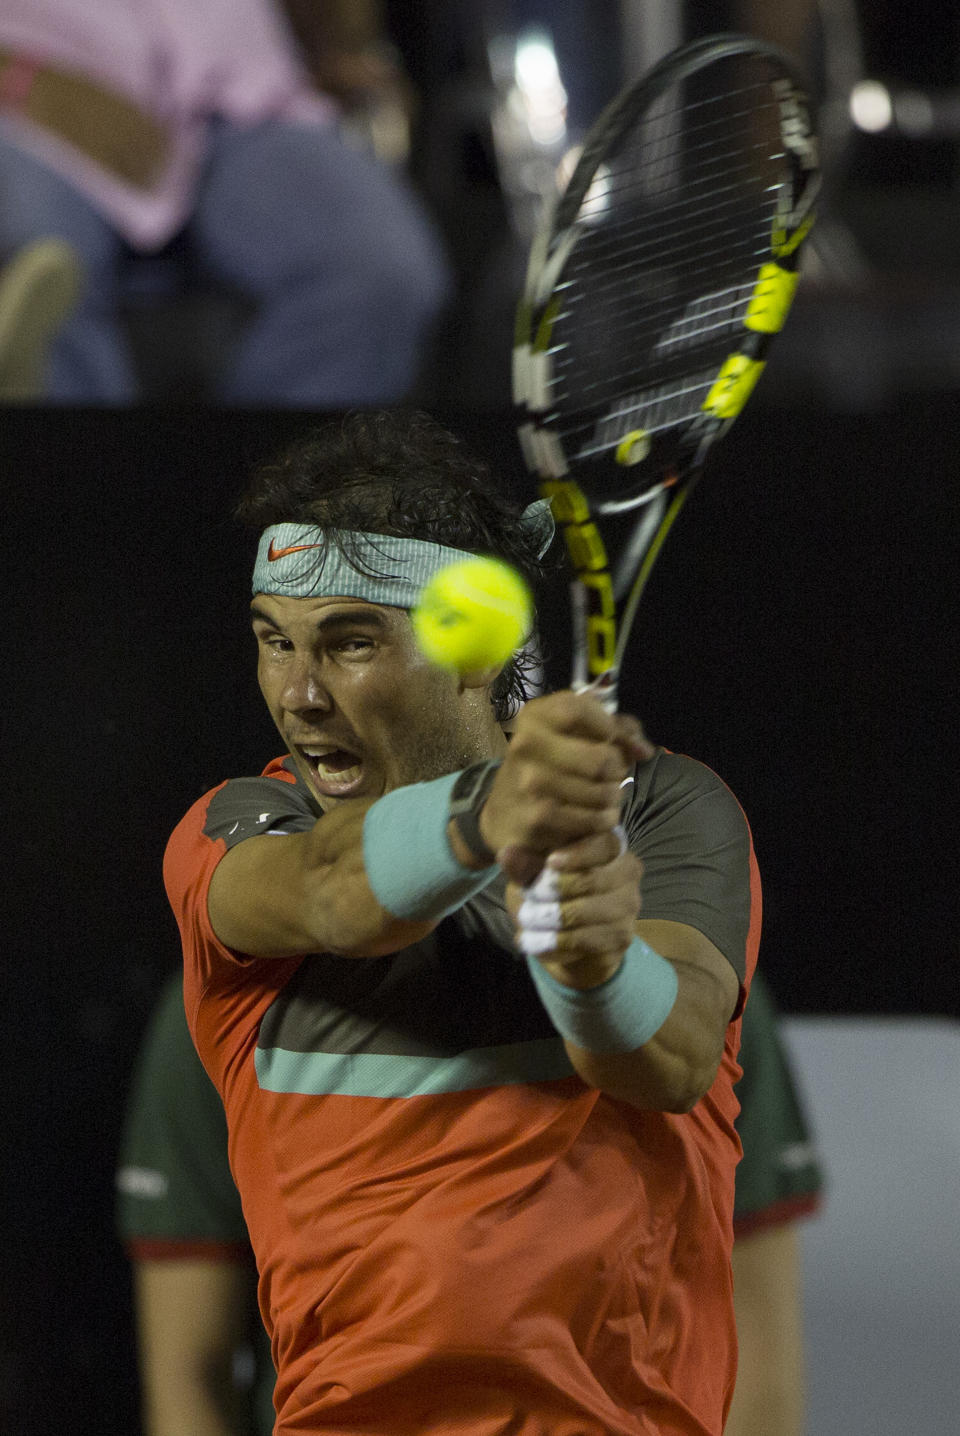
561, 779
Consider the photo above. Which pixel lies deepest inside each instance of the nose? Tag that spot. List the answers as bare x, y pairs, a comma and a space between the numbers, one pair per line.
303, 692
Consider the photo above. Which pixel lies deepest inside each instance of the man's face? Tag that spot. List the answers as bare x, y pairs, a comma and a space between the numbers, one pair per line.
360, 708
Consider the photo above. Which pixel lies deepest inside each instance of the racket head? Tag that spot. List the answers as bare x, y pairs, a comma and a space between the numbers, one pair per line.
652, 294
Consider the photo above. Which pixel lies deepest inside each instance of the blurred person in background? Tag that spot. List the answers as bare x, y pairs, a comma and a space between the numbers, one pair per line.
779, 1184
212, 134
205, 1361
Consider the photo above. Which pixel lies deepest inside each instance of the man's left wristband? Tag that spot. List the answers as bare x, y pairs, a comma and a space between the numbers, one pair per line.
619, 1015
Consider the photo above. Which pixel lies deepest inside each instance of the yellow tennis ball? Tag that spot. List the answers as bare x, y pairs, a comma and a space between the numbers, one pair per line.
473, 615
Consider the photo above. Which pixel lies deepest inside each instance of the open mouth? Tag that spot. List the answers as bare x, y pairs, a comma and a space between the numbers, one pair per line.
336, 771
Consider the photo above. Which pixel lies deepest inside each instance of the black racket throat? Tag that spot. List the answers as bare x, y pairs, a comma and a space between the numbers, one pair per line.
614, 487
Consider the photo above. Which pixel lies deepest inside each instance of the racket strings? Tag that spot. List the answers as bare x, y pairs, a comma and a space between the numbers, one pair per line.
672, 243
669, 124
710, 315
659, 174
617, 243
640, 338
610, 285
756, 166
654, 410
668, 220
648, 304
649, 130
726, 292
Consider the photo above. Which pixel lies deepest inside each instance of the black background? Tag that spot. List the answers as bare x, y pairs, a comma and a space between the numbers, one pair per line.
799, 635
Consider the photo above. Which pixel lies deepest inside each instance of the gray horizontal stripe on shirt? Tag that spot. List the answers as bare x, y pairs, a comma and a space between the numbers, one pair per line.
378, 1074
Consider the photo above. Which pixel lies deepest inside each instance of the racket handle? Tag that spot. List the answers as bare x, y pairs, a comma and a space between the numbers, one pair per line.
605, 687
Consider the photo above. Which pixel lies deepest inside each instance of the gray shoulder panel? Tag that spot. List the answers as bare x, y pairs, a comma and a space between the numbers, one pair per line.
245, 807
690, 831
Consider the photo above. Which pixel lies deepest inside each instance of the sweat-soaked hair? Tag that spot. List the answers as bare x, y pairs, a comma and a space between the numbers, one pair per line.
400, 473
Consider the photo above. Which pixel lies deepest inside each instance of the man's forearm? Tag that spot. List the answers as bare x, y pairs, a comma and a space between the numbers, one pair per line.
673, 1070
191, 1317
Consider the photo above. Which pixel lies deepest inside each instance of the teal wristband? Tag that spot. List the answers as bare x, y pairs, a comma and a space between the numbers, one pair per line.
410, 865
620, 1014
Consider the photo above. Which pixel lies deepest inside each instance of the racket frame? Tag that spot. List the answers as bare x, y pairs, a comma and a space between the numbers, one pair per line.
605, 596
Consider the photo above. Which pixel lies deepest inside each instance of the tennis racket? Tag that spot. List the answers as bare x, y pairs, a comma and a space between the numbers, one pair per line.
653, 292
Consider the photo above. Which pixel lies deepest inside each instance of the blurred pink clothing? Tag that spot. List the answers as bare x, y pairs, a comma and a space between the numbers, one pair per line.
184, 62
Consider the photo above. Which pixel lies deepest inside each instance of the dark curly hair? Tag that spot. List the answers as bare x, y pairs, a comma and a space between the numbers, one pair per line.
400, 473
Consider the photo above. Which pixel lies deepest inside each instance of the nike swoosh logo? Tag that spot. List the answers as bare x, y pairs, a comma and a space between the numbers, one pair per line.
274, 553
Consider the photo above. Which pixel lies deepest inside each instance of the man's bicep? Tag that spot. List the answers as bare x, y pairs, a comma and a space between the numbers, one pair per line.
686, 946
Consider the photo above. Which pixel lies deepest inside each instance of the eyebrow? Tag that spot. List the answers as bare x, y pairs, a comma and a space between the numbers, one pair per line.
369, 617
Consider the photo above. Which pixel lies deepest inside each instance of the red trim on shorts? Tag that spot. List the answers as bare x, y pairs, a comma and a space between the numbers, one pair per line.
177, 1249
778, 1214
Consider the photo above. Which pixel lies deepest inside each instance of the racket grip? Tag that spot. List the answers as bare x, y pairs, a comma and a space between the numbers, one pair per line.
604, 687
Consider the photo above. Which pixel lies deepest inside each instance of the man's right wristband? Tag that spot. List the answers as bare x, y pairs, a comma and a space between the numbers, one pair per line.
411, 868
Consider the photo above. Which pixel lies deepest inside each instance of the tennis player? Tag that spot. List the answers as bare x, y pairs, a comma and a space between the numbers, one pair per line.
484, 1137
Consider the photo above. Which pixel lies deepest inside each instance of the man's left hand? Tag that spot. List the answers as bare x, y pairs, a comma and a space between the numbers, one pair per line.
583, 907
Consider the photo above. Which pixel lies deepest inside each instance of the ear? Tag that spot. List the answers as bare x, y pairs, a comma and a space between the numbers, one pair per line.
481, 677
